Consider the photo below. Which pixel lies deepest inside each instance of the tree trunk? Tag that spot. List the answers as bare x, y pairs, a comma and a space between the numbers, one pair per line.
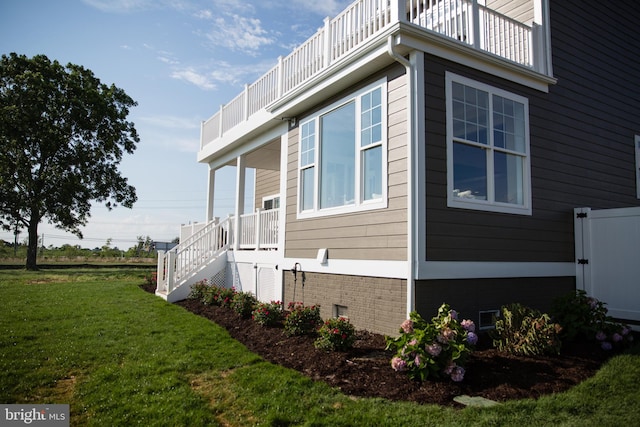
32, 247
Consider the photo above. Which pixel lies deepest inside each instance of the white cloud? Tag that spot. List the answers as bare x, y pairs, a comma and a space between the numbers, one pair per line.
203, 81
241, 33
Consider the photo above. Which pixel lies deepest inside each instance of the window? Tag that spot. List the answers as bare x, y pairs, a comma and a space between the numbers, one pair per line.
637, 142
342, 156
271, 202
488, 164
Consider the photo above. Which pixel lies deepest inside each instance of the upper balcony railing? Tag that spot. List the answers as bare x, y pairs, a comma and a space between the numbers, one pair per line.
461, 20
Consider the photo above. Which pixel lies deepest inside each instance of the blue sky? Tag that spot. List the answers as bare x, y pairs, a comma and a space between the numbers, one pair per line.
180, 60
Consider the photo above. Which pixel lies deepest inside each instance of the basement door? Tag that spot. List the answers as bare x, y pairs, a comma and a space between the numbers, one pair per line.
608, 259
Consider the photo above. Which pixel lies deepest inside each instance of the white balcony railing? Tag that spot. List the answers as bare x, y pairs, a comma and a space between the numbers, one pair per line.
461, 20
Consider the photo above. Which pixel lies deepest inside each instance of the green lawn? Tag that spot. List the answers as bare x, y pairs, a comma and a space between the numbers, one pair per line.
120, 357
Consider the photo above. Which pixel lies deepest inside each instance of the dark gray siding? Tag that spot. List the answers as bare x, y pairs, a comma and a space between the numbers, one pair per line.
581, 133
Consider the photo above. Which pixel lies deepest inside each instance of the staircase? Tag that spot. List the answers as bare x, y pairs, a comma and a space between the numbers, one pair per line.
200, 256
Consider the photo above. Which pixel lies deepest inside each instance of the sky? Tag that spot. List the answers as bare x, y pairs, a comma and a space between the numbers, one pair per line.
179, 60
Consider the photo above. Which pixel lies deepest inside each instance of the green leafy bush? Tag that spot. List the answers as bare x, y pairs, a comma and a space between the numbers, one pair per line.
243, 303
336, 334
268, 314
585, 318
524, 331
436, 349
301, 319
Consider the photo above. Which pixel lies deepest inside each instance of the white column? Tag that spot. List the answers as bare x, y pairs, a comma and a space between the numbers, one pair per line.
240, 184
211, 193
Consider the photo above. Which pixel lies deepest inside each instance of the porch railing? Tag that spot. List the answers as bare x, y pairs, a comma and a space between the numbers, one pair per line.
259, 230
195, 251
461, 20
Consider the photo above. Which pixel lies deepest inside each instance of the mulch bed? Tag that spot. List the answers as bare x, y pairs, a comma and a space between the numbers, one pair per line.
365, 370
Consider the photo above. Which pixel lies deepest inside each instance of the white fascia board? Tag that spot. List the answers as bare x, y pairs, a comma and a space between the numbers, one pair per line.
431, 270
262, 122
218, 159
350, 267
461, 53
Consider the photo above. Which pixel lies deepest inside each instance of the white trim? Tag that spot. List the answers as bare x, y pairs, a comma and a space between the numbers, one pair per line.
484, 270
359, 204
350, 267
490, 204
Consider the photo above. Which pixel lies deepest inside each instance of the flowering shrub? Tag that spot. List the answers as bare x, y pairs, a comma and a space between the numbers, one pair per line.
585, 318
243, 303
434, 349
198, 290
523, 330
217, 295
268, 314
301, 319
336, 334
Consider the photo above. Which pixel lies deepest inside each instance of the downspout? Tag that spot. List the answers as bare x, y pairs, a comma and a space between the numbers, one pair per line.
411, 250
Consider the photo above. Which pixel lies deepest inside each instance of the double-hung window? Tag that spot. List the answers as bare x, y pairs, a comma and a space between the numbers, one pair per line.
488, 160
342, 155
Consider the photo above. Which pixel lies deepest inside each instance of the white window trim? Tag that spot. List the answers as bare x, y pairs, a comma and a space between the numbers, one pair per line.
485, 205
360, 204
637, 150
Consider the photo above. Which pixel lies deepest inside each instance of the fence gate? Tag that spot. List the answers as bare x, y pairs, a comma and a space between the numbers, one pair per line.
608, 259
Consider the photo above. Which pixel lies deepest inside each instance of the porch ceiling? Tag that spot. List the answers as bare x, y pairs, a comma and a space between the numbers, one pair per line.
265, 157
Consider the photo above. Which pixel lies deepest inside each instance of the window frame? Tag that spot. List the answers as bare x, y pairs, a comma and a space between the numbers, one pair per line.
490, 205
360, 204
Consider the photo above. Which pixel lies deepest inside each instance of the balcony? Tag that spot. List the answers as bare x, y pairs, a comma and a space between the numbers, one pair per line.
462, 22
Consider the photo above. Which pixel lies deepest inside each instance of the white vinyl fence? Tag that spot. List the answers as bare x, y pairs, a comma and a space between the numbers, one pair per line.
608, 258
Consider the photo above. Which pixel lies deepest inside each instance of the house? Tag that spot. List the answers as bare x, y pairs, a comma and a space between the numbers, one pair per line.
415, 152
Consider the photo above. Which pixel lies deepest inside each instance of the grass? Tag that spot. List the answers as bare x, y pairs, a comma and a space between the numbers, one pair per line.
120, 356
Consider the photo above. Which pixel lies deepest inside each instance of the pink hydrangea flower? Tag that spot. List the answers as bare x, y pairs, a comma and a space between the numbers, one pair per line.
468, 325
418, 360
616, 337
407, 326
398, 364
457, 374
434, 349
601, 336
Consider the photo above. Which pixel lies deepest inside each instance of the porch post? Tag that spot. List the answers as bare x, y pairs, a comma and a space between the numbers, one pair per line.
210, 193
240, 183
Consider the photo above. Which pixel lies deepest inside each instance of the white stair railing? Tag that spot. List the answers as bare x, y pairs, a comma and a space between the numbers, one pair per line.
192, 254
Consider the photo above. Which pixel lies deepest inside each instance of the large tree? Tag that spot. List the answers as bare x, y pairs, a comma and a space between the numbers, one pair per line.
62, 136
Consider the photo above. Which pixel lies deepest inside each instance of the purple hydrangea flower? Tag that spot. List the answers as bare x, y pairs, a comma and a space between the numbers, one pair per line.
601, 336
472, 338
457, 374
616, 337
624, 331
468, 325
398, 364
606, 345
449, 368
434, 349
454, 314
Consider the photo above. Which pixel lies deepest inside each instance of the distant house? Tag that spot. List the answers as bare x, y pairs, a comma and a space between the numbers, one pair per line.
415, 152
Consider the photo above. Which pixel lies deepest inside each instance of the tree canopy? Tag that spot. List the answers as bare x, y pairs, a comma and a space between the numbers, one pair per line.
63, 134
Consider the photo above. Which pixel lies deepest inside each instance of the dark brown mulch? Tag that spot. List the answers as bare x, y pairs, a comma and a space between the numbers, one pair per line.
365, 371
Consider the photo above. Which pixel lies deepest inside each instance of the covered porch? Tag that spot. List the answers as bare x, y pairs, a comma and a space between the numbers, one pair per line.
257, 225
